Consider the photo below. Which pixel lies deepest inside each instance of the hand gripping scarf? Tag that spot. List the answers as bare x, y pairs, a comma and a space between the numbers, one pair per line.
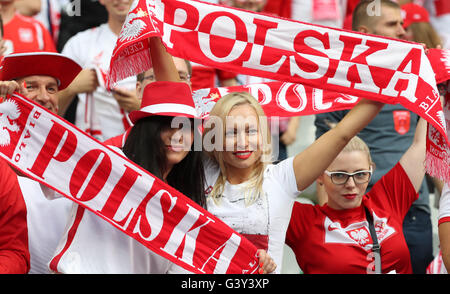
383, 69
52, 151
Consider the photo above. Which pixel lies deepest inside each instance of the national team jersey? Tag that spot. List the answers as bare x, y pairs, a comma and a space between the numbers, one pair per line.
444, 205
91, 245
25, 34
331, 241
98, 113
14, 257
264, 222
205, 77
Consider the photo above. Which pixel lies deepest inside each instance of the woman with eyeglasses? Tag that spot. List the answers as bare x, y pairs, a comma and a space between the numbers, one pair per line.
337, 237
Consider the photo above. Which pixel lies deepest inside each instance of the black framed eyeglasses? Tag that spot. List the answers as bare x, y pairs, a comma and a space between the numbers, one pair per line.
340, 178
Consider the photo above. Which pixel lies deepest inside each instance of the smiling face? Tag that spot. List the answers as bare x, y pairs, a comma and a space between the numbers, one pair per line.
149, 76
241, 140
348, 195
252, 5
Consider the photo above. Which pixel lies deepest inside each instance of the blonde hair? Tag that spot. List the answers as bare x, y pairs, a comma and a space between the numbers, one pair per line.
423, 32
220, 111
358, 144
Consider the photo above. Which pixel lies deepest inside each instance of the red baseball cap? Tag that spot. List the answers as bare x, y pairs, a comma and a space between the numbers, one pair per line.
165, 98
414, 13
18, 65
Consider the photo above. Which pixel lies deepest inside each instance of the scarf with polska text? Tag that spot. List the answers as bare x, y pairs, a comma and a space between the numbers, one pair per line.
52, 151
383, 69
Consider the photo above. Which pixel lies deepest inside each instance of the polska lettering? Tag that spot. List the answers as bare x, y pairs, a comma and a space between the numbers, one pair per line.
128, 197
354, 64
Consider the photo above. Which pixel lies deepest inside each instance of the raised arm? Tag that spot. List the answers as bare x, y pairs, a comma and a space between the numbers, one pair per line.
413, 161
163, 65
312, 162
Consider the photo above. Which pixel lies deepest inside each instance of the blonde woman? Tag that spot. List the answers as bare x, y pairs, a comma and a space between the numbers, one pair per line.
418, 27
245, 190
336, 237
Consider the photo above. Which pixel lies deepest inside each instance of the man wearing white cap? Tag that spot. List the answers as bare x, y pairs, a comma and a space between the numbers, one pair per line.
39, 77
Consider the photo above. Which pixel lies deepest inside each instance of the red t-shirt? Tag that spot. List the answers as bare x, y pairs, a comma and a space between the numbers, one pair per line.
14, 254
204, 77
329, 241
25, 34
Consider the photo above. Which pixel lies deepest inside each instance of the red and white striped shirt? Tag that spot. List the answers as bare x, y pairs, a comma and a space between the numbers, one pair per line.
25, 34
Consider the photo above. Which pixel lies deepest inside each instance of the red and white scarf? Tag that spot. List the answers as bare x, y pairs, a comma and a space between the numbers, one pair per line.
383, 69
52, 151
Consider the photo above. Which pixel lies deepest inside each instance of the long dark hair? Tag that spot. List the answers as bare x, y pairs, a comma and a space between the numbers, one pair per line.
145, 147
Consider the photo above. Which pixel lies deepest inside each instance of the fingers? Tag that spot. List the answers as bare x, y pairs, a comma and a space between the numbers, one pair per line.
8, 87
266, 263
85, 82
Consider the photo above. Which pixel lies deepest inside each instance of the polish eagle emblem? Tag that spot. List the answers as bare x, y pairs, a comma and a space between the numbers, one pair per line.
133, 25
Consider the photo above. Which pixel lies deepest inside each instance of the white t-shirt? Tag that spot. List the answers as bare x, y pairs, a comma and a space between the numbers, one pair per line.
302, 10
267, 219
93, 49
440, 19
91, 245
46, 220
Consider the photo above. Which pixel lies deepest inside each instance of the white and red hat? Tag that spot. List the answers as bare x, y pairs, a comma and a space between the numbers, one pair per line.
18, 65
165, 98
414, 13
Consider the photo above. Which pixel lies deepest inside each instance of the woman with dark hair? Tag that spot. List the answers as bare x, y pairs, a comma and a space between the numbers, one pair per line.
145, 146
160, 141
157, 144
